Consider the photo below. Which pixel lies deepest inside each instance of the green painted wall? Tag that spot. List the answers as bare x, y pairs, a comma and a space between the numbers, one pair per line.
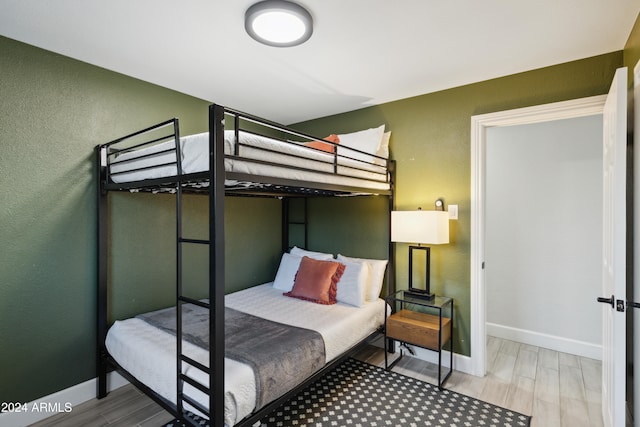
53, 112
142, 248
430, 142
353, 226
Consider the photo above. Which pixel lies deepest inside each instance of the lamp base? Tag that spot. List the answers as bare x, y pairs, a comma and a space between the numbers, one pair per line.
424, 293
420, 293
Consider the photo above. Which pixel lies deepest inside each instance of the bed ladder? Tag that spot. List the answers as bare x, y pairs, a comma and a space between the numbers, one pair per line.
215, 305
181, 298
181, 358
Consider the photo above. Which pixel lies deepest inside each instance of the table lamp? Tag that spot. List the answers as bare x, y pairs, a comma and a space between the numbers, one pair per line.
421, 227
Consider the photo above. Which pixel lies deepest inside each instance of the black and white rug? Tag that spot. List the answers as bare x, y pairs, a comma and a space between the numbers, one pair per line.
359, 394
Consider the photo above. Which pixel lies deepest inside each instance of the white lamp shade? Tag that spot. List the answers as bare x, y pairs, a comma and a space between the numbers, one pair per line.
429, 227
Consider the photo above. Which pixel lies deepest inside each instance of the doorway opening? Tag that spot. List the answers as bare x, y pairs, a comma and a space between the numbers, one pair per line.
480, 124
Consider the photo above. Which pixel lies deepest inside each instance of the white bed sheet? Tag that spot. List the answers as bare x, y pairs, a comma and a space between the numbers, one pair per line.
195, 158
149, 353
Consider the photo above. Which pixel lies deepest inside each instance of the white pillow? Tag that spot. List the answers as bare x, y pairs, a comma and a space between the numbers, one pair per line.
352, 286
315, 255
367, 140
383, 149
378, 266
286, 275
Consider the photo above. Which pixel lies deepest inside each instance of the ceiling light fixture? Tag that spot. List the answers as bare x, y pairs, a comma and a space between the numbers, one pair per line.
278, 23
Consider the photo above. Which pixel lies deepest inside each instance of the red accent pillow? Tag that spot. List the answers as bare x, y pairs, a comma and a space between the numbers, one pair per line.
317, 281
329, 148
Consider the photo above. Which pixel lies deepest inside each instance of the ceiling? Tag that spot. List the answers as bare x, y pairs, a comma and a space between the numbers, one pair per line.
362, 52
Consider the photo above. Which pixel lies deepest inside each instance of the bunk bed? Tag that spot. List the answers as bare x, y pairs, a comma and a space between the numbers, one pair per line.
240, 155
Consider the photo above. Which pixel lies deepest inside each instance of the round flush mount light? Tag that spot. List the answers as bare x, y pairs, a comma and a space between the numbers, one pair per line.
278, 23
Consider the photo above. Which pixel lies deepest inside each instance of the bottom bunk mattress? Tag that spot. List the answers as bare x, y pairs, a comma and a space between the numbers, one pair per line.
149, 353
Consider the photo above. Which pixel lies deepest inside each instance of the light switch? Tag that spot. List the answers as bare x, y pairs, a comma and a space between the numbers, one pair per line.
453, 211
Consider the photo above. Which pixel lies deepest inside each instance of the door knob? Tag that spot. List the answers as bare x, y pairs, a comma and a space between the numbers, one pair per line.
608, 301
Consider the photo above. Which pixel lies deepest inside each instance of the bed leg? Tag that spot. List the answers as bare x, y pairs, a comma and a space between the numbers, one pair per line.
101, 386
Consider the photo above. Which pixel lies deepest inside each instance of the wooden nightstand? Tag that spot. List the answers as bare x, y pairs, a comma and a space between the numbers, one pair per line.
426, 323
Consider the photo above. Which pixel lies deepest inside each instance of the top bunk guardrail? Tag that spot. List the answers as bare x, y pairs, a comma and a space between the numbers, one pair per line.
261, 157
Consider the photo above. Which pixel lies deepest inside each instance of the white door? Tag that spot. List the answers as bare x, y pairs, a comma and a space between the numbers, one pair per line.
614, 252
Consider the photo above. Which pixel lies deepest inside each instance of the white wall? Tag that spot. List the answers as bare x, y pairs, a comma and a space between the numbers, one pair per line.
544, 233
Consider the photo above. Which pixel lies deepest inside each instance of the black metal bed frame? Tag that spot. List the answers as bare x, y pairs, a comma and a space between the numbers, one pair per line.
215, 190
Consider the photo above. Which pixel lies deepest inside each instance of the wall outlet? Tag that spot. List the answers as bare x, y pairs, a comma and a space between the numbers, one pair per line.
453, 211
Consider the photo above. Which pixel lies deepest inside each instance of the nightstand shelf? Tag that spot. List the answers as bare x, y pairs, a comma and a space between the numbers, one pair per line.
423, 323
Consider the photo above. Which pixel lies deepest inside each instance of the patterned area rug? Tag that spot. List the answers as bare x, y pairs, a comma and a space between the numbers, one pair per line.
362, 395
359, 394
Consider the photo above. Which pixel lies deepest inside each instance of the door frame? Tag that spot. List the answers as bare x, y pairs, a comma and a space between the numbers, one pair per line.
541, 113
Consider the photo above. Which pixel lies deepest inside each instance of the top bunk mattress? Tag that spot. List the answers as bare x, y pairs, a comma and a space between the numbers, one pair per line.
256, 155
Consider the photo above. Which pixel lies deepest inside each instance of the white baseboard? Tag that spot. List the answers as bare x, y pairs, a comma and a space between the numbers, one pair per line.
460, 363
62, 401
553, 342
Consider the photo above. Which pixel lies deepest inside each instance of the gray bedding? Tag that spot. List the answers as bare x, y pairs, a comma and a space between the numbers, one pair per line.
280, 355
